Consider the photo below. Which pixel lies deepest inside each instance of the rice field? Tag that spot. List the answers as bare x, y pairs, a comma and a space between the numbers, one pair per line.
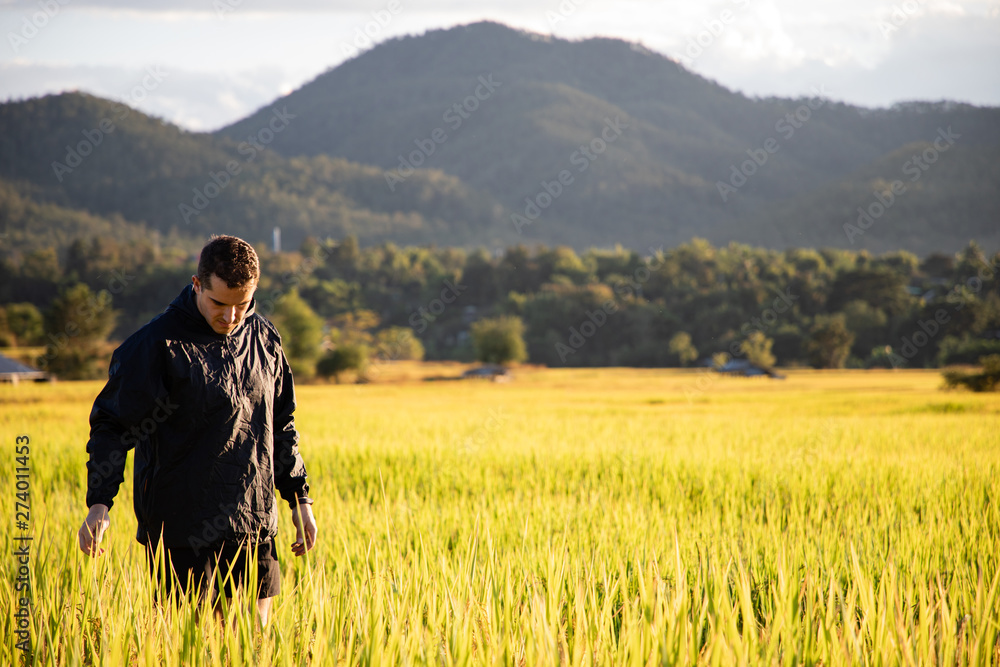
568, 517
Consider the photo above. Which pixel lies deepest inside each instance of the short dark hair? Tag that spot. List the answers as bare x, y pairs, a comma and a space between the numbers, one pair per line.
232, 259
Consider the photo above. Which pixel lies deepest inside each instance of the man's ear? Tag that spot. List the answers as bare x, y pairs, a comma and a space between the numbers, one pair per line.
196, 283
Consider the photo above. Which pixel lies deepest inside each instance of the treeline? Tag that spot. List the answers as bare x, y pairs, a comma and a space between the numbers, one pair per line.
666, 307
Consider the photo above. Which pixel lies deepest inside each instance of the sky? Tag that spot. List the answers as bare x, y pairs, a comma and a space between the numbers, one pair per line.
203, 64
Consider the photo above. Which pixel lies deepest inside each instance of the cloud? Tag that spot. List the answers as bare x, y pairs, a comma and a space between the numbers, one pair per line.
223, 69
272, 6
930, 57
193, 100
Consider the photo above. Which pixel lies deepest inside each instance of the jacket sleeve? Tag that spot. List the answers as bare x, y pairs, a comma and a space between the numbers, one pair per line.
118, 419
289, 469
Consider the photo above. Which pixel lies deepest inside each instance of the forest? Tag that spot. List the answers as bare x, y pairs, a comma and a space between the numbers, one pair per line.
667, 307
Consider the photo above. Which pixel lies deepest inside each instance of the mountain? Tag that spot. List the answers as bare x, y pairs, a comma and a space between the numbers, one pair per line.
929, 210
112, 165
482, 135
512, 110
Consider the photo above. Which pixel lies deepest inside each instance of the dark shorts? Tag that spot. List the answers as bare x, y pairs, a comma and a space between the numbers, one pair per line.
228, 562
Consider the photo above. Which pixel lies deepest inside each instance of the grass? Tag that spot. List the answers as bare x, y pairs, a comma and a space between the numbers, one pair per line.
608, 516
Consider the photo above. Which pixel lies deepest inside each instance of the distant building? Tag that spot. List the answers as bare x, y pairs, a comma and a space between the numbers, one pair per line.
487, 372
14, 372
743, 368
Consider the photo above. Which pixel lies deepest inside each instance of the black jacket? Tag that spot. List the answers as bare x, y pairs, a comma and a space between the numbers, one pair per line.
210, 418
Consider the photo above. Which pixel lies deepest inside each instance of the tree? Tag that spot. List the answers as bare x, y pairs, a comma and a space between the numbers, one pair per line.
757, 348
25, 322
986, 380
499, 340
882, 288
868, 324
350, 357
966, 349
355, 327
77, 324
829, 341
398, 344
681, 345
7, 338
301, 333
40, 276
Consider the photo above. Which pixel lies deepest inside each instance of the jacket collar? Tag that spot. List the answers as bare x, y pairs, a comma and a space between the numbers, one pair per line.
186, 305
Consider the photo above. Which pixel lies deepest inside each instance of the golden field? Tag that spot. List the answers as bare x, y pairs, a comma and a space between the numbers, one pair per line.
584, 516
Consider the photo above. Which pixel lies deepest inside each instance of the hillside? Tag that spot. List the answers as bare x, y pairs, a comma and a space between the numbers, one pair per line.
656, 182
106, 161
486, 136
954, 198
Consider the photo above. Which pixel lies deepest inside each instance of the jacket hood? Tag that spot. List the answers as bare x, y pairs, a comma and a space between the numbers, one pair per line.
185, 303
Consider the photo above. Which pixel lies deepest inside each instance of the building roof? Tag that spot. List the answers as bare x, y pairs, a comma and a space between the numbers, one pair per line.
11, 370
745, 368
488, 371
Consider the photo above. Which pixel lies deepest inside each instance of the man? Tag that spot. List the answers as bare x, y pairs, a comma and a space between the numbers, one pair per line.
204, 394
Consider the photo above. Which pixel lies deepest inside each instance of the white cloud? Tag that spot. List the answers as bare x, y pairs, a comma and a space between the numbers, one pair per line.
193, 100
762, 35
931, 57
223, 69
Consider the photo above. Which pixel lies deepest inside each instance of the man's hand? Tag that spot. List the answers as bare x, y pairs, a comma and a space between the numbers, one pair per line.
92, 531
305, 529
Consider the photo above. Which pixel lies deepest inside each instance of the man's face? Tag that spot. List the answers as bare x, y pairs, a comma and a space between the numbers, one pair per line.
222, 307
